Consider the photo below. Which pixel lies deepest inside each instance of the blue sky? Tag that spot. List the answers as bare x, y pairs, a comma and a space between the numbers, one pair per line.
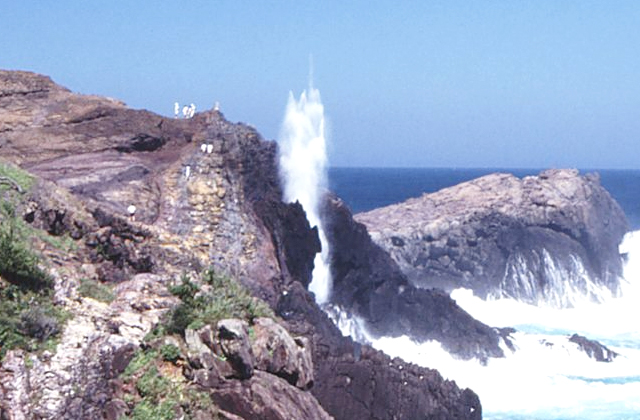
404, 83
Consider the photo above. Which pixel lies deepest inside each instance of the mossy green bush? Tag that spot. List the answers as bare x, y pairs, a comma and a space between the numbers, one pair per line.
158, 396
226, 298
170, 352
18, 263
96, 290
28, 319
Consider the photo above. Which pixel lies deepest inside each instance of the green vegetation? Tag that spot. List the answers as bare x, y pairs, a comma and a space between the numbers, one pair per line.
28, 317
11, 177
226, 298
170, 353
160, 395
96, 290
140, 360
206, 300
18, 264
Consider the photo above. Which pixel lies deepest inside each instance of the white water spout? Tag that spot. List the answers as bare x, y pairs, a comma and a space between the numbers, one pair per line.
303, 169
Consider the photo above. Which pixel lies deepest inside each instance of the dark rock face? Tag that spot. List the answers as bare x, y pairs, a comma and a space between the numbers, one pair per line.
594, 349
544, 238
367, 282
354, 381
264, 396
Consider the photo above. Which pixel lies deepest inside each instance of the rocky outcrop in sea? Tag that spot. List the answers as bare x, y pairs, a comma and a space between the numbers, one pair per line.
541, 239
140, 208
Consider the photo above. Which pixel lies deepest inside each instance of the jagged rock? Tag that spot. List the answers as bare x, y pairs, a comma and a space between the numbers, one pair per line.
540, 238
195, 345
354, 381
594, 349
278, 353
233, 336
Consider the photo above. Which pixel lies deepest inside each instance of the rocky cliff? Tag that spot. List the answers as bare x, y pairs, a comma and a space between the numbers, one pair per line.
548, 238
206, 195
368, 283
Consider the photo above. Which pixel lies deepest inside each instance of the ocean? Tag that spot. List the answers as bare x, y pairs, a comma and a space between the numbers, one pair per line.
538, 381
365, 189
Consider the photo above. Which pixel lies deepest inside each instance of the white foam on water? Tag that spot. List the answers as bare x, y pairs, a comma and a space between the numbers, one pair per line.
568, 282
303, 169
546, 377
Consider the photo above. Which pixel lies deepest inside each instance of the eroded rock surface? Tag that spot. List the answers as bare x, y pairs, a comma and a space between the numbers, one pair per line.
541, 238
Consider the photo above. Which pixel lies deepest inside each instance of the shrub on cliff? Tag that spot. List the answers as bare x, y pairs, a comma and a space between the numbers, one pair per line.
159, 391
219, 297
18, 264
28, 319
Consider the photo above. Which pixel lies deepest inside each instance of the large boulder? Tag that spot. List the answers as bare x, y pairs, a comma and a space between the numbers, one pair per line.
549, 238
233, 336
268, 397
278, 353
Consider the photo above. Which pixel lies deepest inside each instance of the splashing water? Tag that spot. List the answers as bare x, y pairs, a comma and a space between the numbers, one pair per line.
547, 377
303, 168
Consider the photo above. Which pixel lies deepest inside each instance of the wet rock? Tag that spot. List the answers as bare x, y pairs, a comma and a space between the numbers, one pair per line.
593, 349
354, 381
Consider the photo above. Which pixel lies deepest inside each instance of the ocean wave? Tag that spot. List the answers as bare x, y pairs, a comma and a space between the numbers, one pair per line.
546, 376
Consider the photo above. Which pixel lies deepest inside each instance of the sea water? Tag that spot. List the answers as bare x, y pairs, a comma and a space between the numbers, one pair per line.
547, 377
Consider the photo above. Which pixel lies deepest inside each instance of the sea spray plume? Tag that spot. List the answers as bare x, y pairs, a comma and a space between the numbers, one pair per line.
303, 170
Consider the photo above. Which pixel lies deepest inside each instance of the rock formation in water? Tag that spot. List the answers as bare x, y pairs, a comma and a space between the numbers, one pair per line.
92, 159
369, 284
546, 238
593, 349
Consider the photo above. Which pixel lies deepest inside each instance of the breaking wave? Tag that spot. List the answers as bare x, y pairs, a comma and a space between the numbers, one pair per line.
546, 376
